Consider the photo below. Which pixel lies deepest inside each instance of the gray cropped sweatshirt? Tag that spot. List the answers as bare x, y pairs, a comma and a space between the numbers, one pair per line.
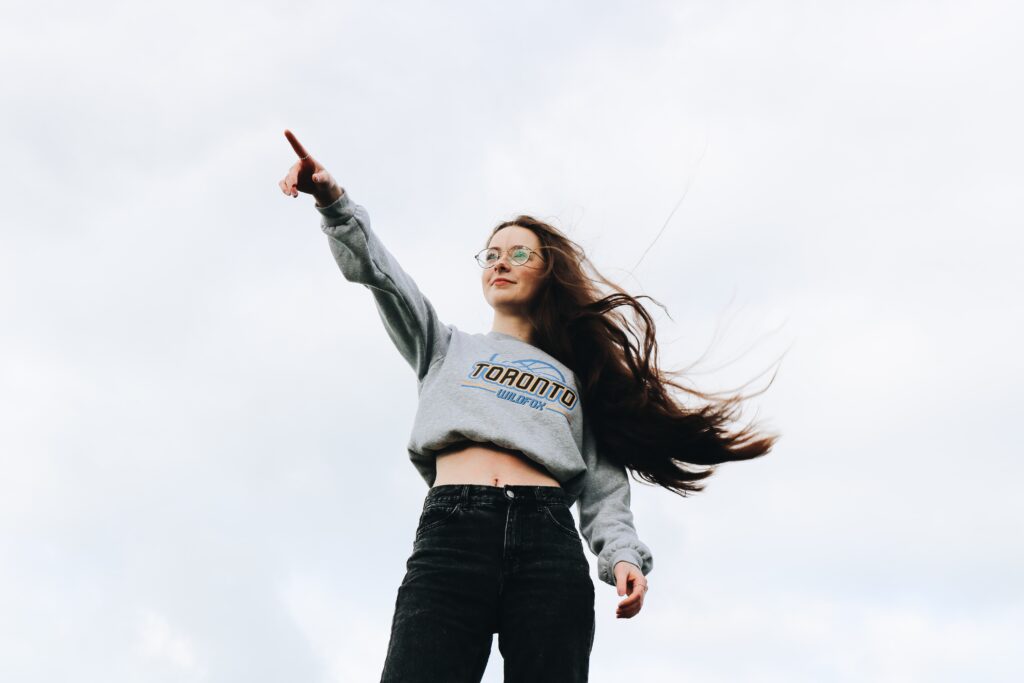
490, 387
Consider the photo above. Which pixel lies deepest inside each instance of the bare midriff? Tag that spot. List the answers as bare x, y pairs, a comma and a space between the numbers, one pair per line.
471, 462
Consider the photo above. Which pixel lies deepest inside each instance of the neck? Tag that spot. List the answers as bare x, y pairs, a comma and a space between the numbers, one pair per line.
513, 325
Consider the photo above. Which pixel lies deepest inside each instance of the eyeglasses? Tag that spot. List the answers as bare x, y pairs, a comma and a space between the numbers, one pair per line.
518, 255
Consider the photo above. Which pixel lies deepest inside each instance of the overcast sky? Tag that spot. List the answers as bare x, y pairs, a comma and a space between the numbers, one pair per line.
203, 474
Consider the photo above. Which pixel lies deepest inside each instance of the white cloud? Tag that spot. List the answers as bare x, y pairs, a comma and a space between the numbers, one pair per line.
159, 641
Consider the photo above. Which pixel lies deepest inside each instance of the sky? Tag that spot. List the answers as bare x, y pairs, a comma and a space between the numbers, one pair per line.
203, 425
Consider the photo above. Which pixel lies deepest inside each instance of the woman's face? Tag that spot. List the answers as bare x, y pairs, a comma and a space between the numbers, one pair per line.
522, 281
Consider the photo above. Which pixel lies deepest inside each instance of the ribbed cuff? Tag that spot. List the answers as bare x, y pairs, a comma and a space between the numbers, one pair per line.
607, 572
338, 211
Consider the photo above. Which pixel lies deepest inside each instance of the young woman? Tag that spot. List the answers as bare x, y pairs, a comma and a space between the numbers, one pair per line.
514, 426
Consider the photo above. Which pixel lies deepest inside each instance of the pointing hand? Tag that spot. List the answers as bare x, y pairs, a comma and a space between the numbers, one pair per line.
309, 176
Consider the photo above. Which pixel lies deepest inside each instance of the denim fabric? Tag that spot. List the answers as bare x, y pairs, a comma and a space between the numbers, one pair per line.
486, 560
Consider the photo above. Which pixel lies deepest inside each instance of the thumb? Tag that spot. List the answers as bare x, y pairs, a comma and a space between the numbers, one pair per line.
620, 583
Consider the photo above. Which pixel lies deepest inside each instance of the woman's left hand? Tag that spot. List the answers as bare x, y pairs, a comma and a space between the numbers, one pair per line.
628, 575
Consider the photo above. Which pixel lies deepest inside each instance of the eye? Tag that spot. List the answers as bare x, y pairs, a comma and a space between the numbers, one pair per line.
520, 253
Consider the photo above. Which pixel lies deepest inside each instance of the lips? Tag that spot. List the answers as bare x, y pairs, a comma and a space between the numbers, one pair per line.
501, 279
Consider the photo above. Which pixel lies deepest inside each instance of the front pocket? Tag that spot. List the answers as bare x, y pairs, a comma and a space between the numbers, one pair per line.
434, 516
561, 517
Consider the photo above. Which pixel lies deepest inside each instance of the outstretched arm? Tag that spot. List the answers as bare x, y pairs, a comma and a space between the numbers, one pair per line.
408, 316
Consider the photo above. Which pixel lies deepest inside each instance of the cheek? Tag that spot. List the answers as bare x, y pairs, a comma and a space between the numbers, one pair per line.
533, 284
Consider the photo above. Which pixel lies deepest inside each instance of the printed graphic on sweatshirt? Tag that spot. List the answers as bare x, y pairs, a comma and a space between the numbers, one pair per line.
529, 383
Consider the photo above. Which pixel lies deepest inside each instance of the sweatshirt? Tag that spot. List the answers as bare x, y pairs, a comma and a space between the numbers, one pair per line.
489, 387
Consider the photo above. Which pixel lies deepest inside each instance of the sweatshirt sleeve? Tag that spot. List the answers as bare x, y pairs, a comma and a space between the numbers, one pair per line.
606, 520
408, 317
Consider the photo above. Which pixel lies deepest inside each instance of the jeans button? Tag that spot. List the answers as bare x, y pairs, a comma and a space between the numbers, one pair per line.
510, 493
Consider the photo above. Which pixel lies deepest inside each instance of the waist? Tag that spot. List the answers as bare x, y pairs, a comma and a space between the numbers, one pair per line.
486, 464
485, 494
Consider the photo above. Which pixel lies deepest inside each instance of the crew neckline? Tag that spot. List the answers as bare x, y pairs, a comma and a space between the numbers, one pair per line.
502, 335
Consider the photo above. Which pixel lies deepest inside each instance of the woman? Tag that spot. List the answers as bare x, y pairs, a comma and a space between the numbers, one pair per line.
514, 426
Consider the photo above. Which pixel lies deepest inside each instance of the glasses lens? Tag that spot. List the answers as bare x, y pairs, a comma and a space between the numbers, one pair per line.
518, 255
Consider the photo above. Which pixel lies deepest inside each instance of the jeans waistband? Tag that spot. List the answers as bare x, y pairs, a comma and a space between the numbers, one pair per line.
483, 493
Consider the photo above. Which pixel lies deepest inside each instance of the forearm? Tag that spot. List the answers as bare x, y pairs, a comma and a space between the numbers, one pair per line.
606, 520
409, 317
330, 197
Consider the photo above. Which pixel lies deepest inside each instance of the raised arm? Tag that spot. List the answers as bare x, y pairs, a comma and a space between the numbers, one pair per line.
409, 318
605, 516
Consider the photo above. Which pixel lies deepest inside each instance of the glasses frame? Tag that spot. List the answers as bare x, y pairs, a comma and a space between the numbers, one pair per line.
480, 255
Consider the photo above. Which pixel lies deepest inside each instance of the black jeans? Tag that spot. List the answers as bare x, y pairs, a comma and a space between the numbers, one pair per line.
485, 560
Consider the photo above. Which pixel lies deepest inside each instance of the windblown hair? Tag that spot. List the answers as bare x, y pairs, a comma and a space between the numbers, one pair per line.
636, 421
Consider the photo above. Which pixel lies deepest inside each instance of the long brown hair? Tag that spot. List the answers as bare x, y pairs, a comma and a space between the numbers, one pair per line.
635, 420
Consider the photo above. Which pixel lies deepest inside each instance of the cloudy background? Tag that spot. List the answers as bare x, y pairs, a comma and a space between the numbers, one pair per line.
203, 473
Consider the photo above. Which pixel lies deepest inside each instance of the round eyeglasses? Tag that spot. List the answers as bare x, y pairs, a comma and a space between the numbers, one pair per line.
517, 255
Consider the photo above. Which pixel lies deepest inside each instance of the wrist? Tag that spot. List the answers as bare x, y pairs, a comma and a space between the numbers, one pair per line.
329, 197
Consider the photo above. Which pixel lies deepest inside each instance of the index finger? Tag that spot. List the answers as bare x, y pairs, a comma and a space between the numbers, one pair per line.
296, 145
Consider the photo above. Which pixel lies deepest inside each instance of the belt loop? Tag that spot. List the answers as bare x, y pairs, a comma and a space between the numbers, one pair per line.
464, 497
